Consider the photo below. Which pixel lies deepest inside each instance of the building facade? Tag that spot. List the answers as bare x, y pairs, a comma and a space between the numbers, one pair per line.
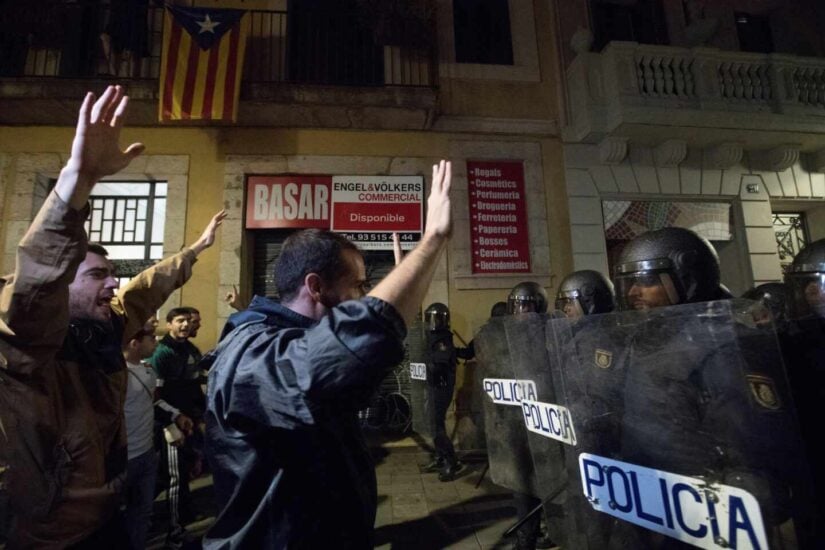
620, 116
707, 115
329, 88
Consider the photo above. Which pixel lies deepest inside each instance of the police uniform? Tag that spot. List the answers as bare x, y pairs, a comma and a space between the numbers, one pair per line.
704, 397
594, 357
441, 364
803, 347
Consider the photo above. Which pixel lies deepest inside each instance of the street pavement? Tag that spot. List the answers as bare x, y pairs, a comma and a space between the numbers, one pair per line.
415, 509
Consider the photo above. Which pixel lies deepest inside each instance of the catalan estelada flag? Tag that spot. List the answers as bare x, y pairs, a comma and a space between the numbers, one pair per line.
201, 62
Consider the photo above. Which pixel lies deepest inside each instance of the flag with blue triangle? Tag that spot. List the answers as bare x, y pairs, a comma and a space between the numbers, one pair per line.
201, 63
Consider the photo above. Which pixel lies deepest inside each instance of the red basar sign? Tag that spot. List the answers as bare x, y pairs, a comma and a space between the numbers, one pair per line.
296, 201
498, 217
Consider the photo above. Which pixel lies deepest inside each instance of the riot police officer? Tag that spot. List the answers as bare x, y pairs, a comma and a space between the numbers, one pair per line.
591, 357
803, 345
806, 279
441, 365
727, 413
585, 292
528, 297
773, 297
667, 267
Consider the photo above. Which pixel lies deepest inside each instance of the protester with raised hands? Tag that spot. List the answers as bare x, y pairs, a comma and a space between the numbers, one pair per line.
289, 461
62, 372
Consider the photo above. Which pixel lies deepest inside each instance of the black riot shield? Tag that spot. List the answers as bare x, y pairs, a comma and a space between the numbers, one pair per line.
684, 430
511, 464
547, 423
421, 403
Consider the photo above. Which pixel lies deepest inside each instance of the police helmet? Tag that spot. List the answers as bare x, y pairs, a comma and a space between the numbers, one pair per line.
773, 296
499, 309
666, 267
585, 292
437, 317
527, 297
805, 278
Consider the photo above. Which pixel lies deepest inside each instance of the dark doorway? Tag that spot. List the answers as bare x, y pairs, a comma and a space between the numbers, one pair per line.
642, 21
754, 33
482, 32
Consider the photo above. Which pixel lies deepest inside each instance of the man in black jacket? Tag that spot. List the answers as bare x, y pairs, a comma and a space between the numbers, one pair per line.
290, 464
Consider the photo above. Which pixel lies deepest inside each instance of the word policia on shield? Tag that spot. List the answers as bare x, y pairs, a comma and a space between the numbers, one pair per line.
707, 515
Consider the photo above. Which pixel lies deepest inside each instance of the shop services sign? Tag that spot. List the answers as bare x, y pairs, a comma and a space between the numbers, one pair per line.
367, 209
498, 217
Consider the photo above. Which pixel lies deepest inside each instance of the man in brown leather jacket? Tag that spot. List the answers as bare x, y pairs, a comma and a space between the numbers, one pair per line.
62, 375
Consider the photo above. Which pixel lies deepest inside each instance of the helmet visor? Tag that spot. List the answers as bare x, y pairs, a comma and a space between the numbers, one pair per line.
519, 305
808, 291
437, 320
571, 307
643, 290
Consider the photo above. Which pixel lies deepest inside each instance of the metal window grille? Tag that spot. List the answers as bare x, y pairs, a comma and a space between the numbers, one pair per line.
127, 218
791, 235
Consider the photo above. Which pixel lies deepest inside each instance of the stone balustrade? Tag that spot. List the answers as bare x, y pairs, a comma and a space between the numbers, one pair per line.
631, 83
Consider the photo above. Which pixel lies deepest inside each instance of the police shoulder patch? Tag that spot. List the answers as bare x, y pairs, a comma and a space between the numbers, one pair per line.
763, 390
603, 359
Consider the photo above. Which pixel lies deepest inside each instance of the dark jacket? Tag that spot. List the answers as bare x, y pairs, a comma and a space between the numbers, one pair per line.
441, 357
179, 376
728, 414
61, 405
260, 308
291, 467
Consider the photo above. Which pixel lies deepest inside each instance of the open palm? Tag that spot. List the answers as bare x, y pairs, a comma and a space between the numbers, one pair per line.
439, 219
96, 152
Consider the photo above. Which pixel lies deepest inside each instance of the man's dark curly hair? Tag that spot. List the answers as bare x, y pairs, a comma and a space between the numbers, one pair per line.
310, 251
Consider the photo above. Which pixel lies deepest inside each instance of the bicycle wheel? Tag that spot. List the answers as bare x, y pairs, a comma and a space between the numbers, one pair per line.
399, 413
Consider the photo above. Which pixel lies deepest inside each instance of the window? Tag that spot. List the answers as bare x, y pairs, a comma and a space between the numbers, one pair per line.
127, 218
791, 236
482, 32
754, 33
642, 21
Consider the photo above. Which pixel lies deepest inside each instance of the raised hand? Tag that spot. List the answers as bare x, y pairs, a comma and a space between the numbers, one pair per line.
185, 424
207, 238
96, 151
233, 299
439, 219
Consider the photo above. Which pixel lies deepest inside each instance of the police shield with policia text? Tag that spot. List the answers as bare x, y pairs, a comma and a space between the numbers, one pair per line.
511, 465
694, 440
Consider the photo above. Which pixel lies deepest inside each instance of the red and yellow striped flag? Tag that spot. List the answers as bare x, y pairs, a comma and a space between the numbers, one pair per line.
201, 63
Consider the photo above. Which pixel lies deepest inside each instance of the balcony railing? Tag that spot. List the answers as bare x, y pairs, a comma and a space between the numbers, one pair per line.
90, 40
633, 83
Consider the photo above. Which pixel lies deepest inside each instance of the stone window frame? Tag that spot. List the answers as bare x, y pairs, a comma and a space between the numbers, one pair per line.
461, 260
525, 67
30, 185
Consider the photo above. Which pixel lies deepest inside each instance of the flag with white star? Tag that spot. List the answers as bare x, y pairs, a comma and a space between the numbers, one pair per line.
201, 63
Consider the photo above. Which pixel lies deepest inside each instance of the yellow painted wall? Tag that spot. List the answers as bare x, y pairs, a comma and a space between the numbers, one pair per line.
207, 149
512, 99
